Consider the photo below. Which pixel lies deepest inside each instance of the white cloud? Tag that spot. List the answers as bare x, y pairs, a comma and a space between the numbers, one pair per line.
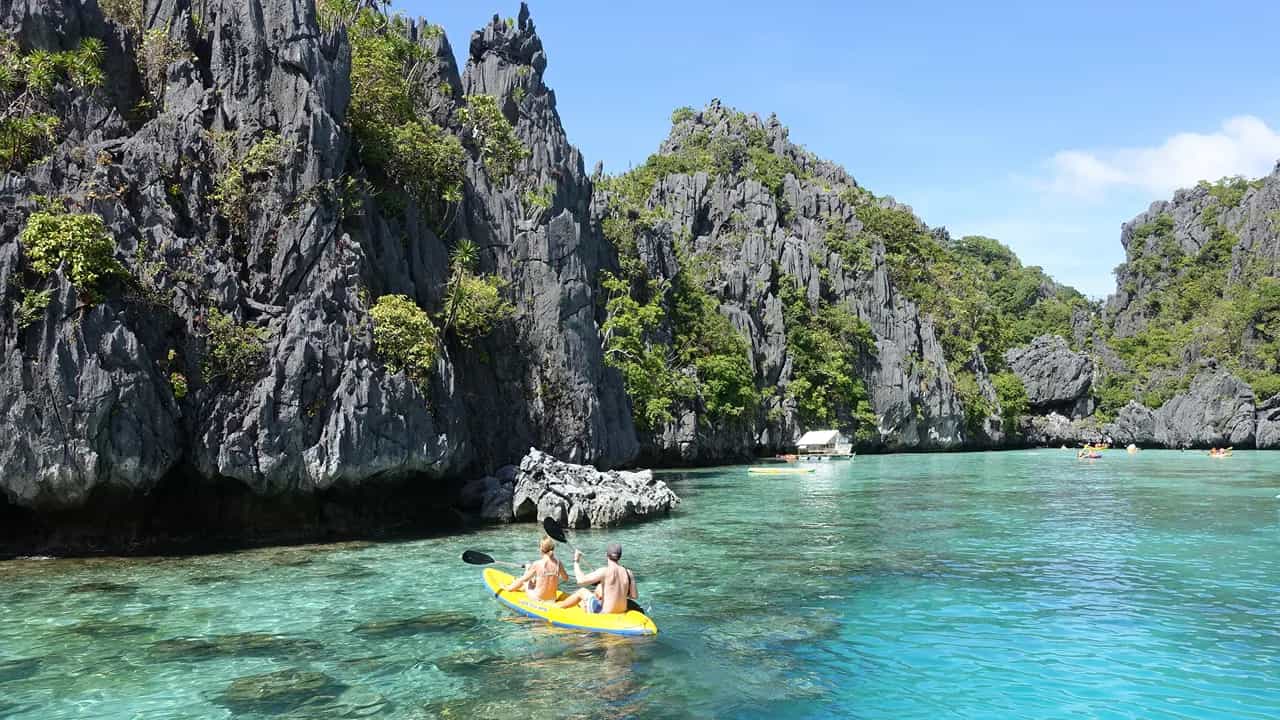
1244, 145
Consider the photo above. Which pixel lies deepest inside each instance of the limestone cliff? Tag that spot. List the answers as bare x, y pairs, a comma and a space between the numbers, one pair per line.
109, 405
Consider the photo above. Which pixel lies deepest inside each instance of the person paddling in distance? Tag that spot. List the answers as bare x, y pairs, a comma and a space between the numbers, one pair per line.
614, 584
541, 580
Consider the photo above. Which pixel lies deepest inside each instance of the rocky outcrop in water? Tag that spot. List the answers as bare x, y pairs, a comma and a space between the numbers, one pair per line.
1217, 410
1200, 289
1267, 424
1135, 424
574, 495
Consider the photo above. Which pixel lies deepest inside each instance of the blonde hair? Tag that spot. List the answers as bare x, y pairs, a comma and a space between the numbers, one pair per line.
547, 544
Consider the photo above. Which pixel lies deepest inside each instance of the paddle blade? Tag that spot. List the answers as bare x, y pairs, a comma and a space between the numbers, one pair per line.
553, 529
473, 557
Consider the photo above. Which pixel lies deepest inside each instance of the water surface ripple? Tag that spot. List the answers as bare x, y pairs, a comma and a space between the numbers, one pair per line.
984, 585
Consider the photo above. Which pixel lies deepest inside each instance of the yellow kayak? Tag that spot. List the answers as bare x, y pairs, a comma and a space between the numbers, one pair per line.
779, 471
632, 622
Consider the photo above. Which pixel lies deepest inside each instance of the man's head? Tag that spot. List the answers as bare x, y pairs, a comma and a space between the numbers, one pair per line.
614, 552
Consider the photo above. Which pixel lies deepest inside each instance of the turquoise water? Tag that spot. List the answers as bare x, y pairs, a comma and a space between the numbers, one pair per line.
981, 585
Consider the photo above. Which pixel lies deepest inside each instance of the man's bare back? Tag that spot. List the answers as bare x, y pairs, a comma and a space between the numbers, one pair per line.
616, 587
615, 584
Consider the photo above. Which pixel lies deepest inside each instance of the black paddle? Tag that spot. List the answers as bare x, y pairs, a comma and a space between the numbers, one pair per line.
474, 557
556, 532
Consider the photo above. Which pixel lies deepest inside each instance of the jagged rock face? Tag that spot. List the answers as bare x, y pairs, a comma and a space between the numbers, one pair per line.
752, 238
1054, 429
1135, 423
577, 496
1267, 428
1218, 410
321, 413
1252, 220
1056, 379
552, 368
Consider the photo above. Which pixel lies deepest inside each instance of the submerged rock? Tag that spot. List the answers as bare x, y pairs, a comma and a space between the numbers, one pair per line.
235, 645
20, 669
280, 691
109, 629
428, 623
109, 588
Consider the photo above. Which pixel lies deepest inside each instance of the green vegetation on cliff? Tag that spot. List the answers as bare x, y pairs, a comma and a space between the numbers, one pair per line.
405, 337
387, 114
233, 349
1195, 306
78, 242
234, 185
743, 150
673, 346
473, 303
827, 345
493, 136
28, 123
980, 298
978, 294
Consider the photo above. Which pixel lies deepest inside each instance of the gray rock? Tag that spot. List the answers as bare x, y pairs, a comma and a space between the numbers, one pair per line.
473, 494
581, 496
1218, 410
1057, 379
751, 236
1054, 430
320, 411
1135, 423
1250, 221
497, 505
1268, 424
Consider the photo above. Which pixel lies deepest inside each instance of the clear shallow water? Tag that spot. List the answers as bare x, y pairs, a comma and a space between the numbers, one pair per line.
978, 585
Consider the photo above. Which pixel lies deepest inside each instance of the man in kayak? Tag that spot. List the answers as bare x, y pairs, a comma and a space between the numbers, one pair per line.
614, 585
542, 578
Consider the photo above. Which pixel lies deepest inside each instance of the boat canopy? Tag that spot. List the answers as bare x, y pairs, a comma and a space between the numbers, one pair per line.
821, 439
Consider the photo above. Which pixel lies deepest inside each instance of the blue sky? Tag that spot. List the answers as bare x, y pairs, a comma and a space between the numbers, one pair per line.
1046, 125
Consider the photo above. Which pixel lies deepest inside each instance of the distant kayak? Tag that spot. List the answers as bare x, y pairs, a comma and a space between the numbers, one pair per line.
632, 622
780, 471
1089, 456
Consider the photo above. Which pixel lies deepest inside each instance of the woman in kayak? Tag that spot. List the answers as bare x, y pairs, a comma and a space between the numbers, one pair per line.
541, 580
615, 585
